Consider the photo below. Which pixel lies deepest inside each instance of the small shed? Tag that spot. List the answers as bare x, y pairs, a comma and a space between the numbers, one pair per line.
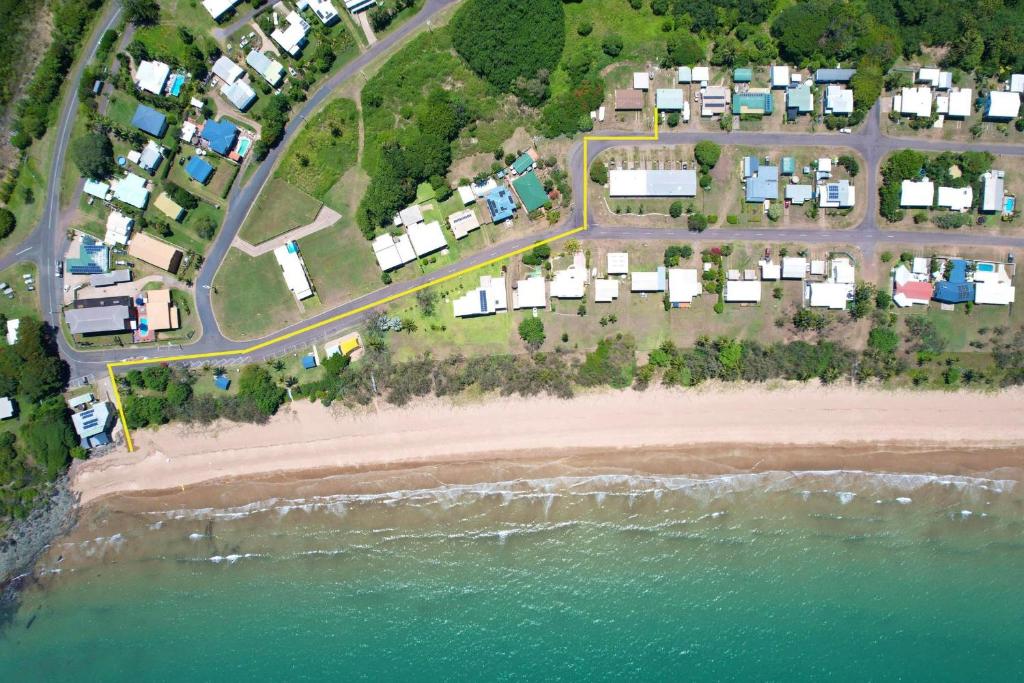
742, 75
221, 382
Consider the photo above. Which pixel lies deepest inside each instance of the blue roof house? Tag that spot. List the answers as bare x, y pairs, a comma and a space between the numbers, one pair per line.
149, 120
749, 166
199, 169
764, 184
669, 99
955, 289
501, 204
220, 135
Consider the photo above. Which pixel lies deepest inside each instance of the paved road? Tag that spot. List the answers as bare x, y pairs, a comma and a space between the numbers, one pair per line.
48, 239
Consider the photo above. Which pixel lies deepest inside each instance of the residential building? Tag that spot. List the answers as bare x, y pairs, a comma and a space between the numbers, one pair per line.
640, 183
119, 228
769, 270
132, 191
956, 104
794, 267
838, 194
1016, 83
155, 252
168, 207
629, 100
161, 313
292, 37
151, 76
426, 238
354, 6
324, 11
487, 299
1002, 106
762, 182
220, 136
217, 8
501, 204
531, 193
915, 102
188, 132
6, 408
831, 295
618, 263
104, 315
742, 75
484, 187
838, 100
684, 74
940, 80
226, 70
641, 80
270, 69
114, 277
151, 156
240, 94
909, 289
798, 194
466, 194
779, 76
714, 100
524, 162
993, 194
570, 283
669, 99
288, 258
97, 189
199, 169
992, 285
788, 166
917, 193
742, 291
392, 252
683, 285
410, 215
834, 75
93, 257
93, 425
799, 100
605, 290
649, 281
753, 103
530, 293
956, 198
463, 222
149, 120
701, 75
955, 289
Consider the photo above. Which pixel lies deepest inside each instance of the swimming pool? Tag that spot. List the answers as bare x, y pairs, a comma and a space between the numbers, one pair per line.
986, 268
143, 326
243, 146
179, 80
1009, 204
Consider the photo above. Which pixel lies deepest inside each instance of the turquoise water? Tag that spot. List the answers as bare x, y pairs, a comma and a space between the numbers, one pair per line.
986, 267
179, 80
756, 577
243, 147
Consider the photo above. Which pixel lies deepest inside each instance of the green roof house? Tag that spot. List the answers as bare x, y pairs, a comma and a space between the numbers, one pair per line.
742, 75
752, 103
522, 164
799, 100
531, 192
788, 166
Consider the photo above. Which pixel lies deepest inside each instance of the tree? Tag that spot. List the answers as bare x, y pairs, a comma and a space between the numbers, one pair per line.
883, 339
49, 435
599, 172
426, 299
206, 227
675, 209
141, 12
774, 212
850, 164
707, 153
584, 29
156, 377
531, 331
93, 155
256, 386
612, 44
697, 222
684, 48
7, 222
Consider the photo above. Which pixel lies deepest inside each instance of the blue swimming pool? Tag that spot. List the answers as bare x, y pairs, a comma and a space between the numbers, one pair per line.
1009, 204
986, 268
243, 146
179, 80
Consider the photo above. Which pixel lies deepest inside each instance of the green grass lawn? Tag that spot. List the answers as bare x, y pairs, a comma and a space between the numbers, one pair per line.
280, 207
24, 303
122, 108
340, 262
163, 41
252, 299
324, 150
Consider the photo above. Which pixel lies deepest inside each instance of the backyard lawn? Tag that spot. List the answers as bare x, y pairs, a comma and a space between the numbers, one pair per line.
280, 207
251, 298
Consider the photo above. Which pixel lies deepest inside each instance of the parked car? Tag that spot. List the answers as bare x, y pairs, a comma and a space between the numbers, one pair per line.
59, 270
845, 130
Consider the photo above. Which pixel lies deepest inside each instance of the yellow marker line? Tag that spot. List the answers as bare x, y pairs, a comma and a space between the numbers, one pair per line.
378, 302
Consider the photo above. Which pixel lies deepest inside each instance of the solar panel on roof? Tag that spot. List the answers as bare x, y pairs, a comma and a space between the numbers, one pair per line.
833, 192
483, 301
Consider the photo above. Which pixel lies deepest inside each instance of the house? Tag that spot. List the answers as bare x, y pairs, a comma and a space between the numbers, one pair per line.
1016, 83
779, 76
798, 194
426, 238
151, 76
501, 204
199, 169
288, 258
629, 100
6, 408
466, 194
240, 94
788, 166
915, 102
270, 69
618, 263
833, 75
530, 293
483, 188
132, 191
794, 267
524, 162
940, 80
742, 75
669, 99
701, 75
992, 285
684, 74
169, 207
161, 313
742, 291
648, 281
325, 12
839, 194
93, 425
762, 182
955, 289
12, 330
149, 120
912, 293
917, 194
570, 282
956, 104
487, 299
97, 189
114, 277
104, 315
956, 198
93, 257
838, 100
292, 38
392, 252
531, 192
799, 100
220, 136
641, 80
605, 291
226, 70
755, 103
683, 285
217, 8
1002, 106
639, 183
188, 132
151, 156
119, 228
463, 222
832, 295
410, 215
155, 252
993, 195
769, 270
714, 100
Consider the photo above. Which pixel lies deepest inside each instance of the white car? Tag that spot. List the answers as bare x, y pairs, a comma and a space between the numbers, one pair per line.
845, 130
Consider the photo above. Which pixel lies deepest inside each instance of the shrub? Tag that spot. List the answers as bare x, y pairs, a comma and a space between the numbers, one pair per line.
732, 219
697, 222
7, 222
612, 45
707, 153
531, 331
675, 209
585, 28
599, 172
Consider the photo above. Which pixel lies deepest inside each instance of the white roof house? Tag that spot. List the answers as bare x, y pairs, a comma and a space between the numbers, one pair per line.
132, 191
12, 330
780, 76
960, 102
324, 11
618, 263
936, 78
605, 291
188, 131
1002, 105
837, 194
410, 215
996, 293
842, 271
569, 283
463, 222
914, 102
288, 258
641, 80
642, 183
226, 70
683, 285
1017, 83
956, 198
743, 291
6, 408
119, 228
993, 194
239, 94
920, 193
95, 188
484, 188
838, 100
217, 8
490, 297
391, 252
271, 70
292, 37
530, 293
700, 74
920, 265
829, 295
151, 76
648, 281
794, 267
769, 270
466, 194
427, 238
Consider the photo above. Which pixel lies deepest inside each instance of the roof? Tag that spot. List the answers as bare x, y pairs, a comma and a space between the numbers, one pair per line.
114, 277
132, 190
287, 256
491, 296
779, 76
714, 100
743, 291
1017, 83
605, 290
151, 156
119, 227
93, 421
788, 166
764, 184
953, 292
752, 103
484, 187
92, 258
913, 292
293, 36
239, 94
920, 193
837, 194
935, 78
955, 198
427, 238
629, 100
769, 270
80, 400
914, 101
833, 75
800, 98
683, 285
829, 295
993, 192
531, 192
12, 330
161, 313
523, 163
648, 281
98, 319
669, 99
997, 293
270, 69
794, 267
154, 252
96, 189
6, 408
217, 8
391, 252
199, 169
151, 76
149, 120
222, 382
463, 222
684, 74
411, 215
798, 194
960, 102
742, 75
700, 74
641, 80
570, 282
618, 263
842, 271
466, 194
501, 204
1002, 105
957, 271
530, 293
325, 12
226, 70
168, 207
838, 100
640, 183
220, 135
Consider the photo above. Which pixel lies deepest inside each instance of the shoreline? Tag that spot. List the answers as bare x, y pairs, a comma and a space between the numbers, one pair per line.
708, 430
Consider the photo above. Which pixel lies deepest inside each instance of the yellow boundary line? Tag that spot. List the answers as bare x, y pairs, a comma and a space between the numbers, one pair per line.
388, 299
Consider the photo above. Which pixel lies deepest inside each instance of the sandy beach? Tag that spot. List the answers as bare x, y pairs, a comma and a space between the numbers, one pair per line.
307, 437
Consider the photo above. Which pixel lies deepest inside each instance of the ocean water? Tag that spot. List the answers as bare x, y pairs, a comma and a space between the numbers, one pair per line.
777, 576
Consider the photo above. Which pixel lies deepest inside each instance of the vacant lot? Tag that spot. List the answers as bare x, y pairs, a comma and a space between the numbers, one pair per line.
340, 262
324, 150
280, 207
251, 298
24, 303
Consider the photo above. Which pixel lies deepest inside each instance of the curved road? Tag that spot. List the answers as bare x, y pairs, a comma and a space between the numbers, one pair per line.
48, 239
